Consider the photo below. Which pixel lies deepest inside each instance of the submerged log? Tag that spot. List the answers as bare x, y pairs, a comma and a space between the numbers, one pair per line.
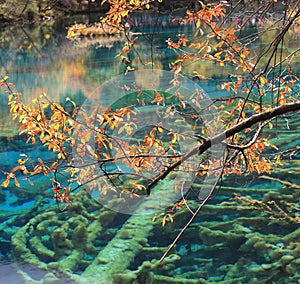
121, 251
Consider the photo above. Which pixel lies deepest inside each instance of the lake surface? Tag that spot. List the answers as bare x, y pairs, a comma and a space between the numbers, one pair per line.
227, 243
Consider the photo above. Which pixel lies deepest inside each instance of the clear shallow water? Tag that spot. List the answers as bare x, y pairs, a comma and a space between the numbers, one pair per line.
224, 245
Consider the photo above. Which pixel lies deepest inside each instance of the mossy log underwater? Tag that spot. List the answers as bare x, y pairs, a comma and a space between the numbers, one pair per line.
233, 239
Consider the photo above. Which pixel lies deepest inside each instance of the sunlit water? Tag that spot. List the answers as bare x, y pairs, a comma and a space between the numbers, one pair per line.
39, 59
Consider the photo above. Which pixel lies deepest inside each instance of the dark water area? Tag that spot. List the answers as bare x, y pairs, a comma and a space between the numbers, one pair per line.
229, 242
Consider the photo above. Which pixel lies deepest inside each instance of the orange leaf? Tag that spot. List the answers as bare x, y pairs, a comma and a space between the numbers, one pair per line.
16, 182
6, 182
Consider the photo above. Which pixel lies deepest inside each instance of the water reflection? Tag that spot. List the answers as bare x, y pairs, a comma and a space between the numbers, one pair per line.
52, 64
38, 58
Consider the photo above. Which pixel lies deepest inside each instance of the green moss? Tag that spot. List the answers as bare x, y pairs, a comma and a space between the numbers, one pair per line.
80, 236
39, 248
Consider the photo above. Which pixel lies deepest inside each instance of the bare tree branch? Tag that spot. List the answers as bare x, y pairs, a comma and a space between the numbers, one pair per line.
254, 119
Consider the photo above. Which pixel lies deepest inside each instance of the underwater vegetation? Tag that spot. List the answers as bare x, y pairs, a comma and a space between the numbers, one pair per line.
236, 239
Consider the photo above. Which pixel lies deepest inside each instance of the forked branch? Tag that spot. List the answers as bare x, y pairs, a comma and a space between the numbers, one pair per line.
207, 143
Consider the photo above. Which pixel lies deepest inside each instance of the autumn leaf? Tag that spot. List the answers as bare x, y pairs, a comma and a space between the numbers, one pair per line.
163, 221
160, 129
16, 182
6, 182
263, 80
3, 79
171, 218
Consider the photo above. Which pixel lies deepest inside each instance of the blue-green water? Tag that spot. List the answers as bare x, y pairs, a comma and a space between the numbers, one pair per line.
227, 243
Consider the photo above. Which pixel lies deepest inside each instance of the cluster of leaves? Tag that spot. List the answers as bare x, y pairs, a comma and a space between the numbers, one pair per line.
119, 10
87, 146
52, 125
167, 216
250, 88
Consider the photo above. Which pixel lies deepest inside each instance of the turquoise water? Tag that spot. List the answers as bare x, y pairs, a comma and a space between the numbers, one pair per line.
227, 243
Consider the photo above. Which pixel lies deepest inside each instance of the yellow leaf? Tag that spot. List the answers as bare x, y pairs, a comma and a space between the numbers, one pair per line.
129, 68
22, 161
128, 130
277, 160
218, 54
270, 125
155, 144
174, 139
107, 156
140, 186
91, 150
6, 182
263, 80
3, 79
163, 221
121, 129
